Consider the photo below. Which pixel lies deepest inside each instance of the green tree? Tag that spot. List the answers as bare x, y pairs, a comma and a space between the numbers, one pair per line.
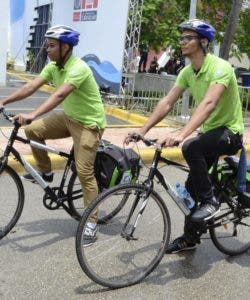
242, 38
159, 27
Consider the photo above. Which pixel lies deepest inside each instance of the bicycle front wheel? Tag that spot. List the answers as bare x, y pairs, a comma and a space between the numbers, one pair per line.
11, 200
131, 244
76, 201
230, 231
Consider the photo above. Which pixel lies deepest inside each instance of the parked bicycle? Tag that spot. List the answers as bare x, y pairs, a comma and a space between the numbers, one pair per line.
130, 245
67, 195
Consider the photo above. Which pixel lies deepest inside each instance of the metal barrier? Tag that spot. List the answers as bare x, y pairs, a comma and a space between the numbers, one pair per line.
144, 90
245, 99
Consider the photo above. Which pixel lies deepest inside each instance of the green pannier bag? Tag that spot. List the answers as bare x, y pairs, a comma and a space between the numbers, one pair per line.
227, 172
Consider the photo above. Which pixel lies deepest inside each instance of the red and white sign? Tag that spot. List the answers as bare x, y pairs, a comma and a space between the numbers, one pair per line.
89, 4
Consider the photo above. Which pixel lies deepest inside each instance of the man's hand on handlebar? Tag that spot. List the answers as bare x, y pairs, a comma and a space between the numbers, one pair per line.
24, 119
133, 136
170, 140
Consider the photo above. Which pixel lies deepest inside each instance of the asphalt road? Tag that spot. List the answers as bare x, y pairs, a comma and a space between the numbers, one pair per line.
38, 261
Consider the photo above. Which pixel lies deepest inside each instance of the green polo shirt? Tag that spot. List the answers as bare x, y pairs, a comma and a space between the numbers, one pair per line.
228, 111
84, 103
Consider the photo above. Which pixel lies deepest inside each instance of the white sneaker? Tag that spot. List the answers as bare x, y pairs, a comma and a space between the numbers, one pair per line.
89, 236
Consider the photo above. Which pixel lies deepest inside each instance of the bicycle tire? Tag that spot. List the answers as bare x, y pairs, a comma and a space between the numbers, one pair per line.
75, 196
76, 204
230, 230
11, 200
115, 260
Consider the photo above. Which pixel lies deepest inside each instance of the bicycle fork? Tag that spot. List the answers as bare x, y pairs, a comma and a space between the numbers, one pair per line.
128, 231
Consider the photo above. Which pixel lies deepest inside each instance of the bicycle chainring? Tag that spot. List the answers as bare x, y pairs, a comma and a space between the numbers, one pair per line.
50, 203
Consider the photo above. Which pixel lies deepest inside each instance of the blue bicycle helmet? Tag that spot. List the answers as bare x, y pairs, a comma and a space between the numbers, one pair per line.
203, 28
64, 34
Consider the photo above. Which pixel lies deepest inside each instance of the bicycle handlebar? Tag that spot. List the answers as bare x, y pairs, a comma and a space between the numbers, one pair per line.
137, 137
9, 117
148, 142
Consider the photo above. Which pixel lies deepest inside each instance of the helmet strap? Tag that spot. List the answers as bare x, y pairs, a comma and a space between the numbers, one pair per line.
204, 47
62, 59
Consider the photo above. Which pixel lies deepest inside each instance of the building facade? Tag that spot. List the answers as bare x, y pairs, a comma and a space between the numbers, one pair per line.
102, 25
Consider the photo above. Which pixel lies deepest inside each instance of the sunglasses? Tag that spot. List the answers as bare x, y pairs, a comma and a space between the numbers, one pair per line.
188, 38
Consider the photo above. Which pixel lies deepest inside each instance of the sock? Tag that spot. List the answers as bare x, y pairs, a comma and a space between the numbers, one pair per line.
48, 174
91, 225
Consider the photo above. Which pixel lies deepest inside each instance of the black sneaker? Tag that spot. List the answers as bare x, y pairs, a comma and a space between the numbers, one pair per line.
205, 212
29, 177
180, 244
89, 236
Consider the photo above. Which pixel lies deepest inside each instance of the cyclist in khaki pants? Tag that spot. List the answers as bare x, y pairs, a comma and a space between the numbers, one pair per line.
83, 117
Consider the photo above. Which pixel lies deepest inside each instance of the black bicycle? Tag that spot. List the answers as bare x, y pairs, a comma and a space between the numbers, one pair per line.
68, 195
130, 245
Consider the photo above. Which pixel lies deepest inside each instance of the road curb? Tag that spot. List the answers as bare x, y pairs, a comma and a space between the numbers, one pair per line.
58, 162
131, 118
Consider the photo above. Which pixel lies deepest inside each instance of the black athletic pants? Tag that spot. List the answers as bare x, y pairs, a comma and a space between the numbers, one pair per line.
200, 152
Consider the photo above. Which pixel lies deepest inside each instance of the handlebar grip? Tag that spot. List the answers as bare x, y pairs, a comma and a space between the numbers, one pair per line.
150, 142
136, 137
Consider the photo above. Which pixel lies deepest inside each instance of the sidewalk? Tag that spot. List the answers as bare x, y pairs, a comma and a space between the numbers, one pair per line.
114, 134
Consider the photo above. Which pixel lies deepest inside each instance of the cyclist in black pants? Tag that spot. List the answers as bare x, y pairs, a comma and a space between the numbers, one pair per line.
212, 83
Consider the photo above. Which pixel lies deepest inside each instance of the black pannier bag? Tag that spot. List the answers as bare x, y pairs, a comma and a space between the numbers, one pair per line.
114, 165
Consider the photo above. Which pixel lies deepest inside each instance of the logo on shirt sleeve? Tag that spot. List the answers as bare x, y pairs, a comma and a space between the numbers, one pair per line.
218, 73
72, 73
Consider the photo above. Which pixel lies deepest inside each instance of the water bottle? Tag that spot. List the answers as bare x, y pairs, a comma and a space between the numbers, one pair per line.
126, 177
184, 194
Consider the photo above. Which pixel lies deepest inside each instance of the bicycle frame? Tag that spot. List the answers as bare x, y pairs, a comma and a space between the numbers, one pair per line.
150, 186
170, 189
61, 197
218, 221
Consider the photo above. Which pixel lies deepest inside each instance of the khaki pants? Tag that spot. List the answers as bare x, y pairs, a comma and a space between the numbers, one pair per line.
85, 139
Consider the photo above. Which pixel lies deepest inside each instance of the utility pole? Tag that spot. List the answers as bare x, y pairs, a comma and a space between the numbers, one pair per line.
4, 28
192, 10
185, 98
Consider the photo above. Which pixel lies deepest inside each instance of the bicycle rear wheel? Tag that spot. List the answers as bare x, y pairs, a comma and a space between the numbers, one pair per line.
231, 229
121, 257
75, 197
76, 202
11, 200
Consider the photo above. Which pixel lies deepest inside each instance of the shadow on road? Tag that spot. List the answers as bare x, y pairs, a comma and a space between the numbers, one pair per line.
26, 237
